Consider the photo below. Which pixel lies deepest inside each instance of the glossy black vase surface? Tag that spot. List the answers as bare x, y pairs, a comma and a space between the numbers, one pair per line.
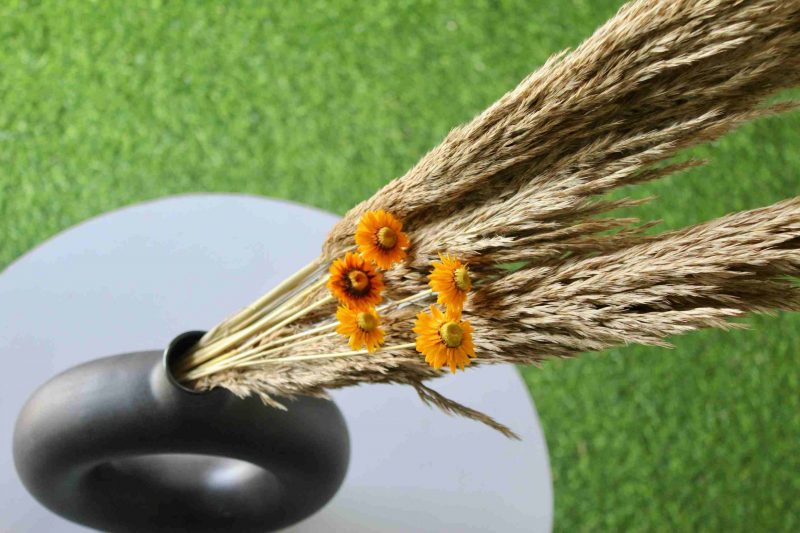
116, 444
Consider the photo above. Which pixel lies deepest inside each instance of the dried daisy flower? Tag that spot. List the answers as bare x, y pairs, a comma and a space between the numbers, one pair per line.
450, 280
355, 282
444, 339
362, 328
380, 238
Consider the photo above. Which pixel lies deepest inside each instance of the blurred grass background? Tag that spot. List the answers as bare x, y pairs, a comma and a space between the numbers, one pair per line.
109, 103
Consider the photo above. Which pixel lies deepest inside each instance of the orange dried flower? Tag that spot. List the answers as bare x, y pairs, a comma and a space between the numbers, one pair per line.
361, 326
355, 282
444, 339
380, 238
450, 280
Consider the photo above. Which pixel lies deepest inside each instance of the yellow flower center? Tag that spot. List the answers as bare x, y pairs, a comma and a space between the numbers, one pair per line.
358, 281
367, 321
387, 238
452, 334
461, 277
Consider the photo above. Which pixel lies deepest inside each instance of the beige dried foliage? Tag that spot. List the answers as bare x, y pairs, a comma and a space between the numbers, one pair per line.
525, 183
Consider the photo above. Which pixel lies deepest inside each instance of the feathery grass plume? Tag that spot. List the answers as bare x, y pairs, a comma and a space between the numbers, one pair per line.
523, 184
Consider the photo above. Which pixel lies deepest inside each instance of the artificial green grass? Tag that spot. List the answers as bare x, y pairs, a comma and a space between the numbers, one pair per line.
110, 103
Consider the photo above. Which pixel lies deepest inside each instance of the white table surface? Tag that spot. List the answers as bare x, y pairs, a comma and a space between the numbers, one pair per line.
134, 278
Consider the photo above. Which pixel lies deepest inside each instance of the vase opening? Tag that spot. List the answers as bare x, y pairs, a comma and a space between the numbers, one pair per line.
174, 354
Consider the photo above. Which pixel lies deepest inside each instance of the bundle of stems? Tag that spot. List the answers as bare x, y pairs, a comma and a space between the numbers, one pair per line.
520, 194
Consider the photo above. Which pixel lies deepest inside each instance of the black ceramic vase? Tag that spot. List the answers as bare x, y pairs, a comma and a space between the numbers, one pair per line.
118, 445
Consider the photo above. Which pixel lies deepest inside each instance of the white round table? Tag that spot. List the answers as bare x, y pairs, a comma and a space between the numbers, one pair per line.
134, 278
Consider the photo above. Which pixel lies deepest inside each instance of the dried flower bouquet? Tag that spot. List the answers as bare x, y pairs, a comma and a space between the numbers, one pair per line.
500, 245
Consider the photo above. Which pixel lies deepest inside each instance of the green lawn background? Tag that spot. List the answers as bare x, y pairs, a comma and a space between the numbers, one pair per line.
105, 104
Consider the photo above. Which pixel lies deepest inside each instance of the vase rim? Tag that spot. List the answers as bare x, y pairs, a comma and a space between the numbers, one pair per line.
174, 351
